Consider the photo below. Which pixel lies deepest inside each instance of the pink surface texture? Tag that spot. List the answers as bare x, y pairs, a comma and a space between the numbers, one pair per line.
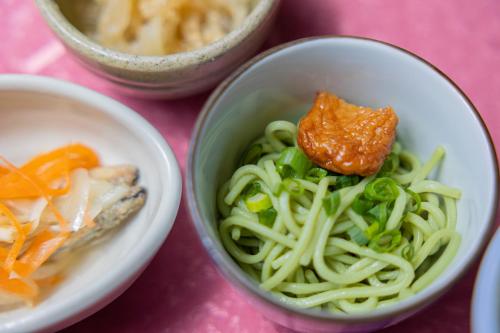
181, 291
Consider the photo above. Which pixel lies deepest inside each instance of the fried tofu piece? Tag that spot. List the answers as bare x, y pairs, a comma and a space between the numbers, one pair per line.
346, 138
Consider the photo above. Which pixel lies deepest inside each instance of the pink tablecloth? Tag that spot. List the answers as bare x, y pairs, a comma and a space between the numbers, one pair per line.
181, 291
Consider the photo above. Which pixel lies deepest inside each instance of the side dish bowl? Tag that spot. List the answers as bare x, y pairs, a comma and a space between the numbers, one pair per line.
169, 76
39, 114
281, 84
486, 301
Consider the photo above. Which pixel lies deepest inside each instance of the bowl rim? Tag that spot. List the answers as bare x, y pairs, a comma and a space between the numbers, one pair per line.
410, 304
94, 297
83, 44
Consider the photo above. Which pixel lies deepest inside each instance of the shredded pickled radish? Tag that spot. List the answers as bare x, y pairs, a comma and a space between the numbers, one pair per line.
27, 210
73, 206
19, 241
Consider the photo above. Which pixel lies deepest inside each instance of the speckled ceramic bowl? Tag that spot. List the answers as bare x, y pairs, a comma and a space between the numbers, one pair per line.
281, 84
169, 76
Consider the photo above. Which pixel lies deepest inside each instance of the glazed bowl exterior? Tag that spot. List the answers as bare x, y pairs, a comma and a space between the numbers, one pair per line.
40, 114
163, 77
485, 309
281, 84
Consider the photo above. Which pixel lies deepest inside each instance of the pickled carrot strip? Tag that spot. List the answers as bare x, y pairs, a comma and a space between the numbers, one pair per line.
57, 170
79, 156
42, 247
4, 252
62, 222
47, 168
25, 289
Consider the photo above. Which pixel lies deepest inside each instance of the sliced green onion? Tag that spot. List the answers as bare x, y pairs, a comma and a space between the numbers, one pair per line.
372, 230
408, 252
357, 235
379, 213
331, 203
251, 190
396, 148
285, 171
361, 205
293, 163
316, 174
386, 241
345, 181
382, 189
236, 233
292, 186
252, 154
267, 217
413, 207
258, 202
391, 164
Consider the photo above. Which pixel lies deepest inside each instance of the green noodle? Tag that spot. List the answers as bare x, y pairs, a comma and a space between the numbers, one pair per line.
309, 259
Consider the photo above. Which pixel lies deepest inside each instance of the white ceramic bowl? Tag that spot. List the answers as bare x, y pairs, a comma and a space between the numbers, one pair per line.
486, 301
39, 114
281, 84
